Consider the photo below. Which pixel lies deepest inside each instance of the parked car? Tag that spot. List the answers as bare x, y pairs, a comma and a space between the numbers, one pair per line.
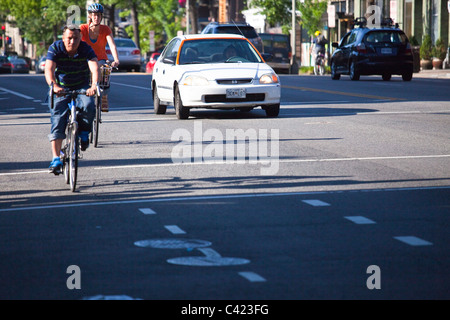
195, 71
151, 62
19, 65
279, 46
235, 28
40, 67
129, 54
373, 51
5, 65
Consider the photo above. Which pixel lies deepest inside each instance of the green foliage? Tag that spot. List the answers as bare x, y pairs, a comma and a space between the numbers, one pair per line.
439, 49
311, 14
413, 41
276, 12
426, 48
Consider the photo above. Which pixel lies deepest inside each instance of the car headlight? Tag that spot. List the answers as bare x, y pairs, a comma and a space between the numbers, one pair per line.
195, 81
268, 78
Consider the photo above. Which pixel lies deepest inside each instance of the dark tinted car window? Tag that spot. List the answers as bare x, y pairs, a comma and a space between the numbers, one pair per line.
245, 31
386, 37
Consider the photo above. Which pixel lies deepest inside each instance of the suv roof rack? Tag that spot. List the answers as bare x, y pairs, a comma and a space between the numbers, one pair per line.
361, 22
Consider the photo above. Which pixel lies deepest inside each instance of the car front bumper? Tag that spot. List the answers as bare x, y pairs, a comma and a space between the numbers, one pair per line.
215, 96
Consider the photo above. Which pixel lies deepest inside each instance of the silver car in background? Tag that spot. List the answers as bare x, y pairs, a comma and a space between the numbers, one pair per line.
129, 54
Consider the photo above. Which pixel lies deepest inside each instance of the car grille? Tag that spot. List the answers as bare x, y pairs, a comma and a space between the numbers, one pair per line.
234, 81
222, 98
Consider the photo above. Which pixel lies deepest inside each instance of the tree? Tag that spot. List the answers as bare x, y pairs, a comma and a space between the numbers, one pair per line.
276, 12
311, 12
280, 11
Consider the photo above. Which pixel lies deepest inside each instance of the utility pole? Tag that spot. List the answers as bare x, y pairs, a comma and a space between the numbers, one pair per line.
187, 16
293, 33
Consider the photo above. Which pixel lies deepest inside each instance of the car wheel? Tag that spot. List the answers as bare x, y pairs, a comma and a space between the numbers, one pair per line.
407, 76
334, 74
181, 111
157, 106
354, 75
386, 76
273, 110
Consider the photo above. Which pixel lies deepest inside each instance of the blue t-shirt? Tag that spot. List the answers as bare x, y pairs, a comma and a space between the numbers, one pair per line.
71, 72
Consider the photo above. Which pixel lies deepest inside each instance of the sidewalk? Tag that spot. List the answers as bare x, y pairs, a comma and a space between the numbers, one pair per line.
433, 74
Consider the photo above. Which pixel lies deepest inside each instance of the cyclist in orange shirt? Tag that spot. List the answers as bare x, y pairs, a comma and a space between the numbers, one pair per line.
97, 35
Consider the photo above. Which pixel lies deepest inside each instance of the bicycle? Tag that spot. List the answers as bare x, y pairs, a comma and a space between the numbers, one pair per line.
71, 147
319, 65
104, 83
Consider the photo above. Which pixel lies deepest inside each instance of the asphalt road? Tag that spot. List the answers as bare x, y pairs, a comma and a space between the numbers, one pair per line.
351, 202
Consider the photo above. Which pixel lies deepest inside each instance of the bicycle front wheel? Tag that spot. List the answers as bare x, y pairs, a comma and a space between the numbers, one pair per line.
97, 121
73, 159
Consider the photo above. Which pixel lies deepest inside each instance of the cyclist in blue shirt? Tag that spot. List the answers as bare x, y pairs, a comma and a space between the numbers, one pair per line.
69, 65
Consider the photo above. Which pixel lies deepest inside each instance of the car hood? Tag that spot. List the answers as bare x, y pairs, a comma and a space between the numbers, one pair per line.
212, 71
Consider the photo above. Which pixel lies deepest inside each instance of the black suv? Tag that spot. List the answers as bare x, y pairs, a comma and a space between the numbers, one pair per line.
373, 51
279, 46
236, 28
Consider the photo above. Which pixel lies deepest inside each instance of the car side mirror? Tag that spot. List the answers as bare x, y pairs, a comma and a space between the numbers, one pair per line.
169, 60
335, 45
267, 56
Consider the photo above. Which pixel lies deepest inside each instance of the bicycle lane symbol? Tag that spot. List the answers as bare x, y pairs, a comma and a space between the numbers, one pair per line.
210, 258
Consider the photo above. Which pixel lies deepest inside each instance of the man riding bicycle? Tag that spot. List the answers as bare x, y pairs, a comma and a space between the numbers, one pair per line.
97, 35
70, 63
318, 45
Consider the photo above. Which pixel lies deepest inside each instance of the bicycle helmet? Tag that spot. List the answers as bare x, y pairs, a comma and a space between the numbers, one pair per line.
95, 7
317, 33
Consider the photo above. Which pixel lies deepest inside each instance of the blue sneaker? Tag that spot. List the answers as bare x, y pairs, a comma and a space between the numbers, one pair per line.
84, 137
55, 166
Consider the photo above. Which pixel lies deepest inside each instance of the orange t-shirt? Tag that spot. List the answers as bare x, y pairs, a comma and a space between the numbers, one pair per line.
100, 44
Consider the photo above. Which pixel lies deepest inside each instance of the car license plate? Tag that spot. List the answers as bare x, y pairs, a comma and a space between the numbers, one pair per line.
278, 55
386, 50
236, 93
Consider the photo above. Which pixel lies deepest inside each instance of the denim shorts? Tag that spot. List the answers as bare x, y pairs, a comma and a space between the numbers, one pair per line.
60, 115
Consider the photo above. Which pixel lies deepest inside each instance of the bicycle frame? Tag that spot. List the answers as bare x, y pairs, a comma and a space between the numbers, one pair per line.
71, 149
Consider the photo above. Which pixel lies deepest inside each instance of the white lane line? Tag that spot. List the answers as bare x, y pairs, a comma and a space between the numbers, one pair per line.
23, 109
131, 86
213, 197
175, 229
147, 211
316, 203
251, 276
413, 241
265, 162
17, 94
359, 219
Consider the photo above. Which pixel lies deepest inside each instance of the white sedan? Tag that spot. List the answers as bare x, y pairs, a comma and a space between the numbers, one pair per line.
221, 71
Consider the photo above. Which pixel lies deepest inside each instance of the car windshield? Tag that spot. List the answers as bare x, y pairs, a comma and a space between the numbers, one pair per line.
218, 51
124, 43
387, 36
241, 30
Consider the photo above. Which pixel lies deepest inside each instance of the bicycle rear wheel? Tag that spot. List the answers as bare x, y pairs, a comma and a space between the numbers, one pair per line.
72, 153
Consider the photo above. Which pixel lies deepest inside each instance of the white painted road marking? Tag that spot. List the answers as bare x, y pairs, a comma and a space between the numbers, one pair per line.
17, 94
211, 197
175, 229
147, 211
359, 219
413, 241
316, 203
251, 276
